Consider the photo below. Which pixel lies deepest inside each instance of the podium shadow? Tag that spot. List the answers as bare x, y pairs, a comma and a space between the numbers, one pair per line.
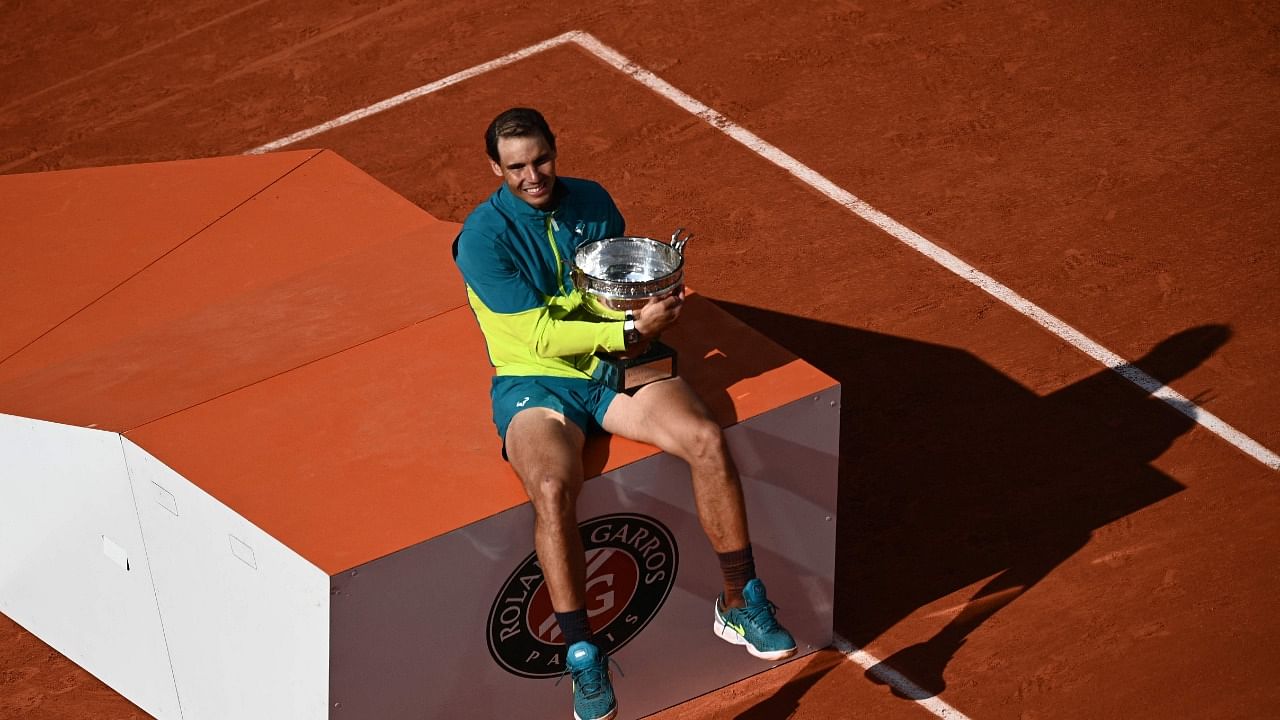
952, 473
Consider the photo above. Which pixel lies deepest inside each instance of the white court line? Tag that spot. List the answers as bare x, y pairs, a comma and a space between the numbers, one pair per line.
897, 681
415, 93
839, 195
913, 240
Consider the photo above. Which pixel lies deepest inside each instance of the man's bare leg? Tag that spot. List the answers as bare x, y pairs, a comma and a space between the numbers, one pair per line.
545, 450
669, 415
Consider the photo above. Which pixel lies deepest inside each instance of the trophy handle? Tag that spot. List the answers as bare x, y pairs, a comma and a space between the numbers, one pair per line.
678, 242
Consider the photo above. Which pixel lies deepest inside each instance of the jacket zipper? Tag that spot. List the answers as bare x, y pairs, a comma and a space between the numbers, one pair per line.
551, 237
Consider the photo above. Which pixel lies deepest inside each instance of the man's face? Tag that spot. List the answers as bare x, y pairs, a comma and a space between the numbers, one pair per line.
528, 166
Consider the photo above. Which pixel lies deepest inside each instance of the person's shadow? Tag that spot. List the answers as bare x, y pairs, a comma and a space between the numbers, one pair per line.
951, 472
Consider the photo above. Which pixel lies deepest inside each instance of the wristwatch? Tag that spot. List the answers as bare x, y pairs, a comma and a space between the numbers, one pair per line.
630, 335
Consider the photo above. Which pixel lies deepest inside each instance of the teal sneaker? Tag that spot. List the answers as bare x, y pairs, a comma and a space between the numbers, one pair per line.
754, 625
592, 687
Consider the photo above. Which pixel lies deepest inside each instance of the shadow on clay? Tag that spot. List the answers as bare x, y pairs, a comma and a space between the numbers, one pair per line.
951, 473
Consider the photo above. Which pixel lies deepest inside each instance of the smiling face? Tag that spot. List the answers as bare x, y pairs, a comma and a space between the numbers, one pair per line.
527, 164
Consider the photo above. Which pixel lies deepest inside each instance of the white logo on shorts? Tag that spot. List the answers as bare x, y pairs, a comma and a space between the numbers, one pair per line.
522, 402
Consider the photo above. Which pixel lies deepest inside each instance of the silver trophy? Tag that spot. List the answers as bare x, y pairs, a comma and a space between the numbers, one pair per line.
621, 274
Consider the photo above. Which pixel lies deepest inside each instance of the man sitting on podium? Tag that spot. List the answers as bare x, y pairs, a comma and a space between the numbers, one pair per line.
515, 252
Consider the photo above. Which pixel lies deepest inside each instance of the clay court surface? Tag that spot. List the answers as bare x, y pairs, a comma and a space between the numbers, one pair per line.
1024, 533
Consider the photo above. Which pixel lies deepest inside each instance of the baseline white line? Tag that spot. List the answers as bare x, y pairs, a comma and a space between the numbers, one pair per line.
908, 237
896, 680
414, 94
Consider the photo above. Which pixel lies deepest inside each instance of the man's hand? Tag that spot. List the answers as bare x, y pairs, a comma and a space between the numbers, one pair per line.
658, 315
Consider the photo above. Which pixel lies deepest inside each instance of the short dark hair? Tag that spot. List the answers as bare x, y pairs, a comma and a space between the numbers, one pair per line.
517, 122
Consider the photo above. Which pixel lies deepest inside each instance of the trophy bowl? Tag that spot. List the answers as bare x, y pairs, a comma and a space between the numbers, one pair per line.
623, 273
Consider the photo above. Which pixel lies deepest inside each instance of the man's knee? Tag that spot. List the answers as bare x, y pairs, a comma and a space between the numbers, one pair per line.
553, 495
704, 442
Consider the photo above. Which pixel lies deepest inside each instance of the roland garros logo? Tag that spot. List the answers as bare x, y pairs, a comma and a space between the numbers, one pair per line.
631, 566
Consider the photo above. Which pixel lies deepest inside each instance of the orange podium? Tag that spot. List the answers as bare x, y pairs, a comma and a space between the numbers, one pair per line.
250, 470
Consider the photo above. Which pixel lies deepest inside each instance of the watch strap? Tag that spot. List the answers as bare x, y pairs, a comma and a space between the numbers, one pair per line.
630, 335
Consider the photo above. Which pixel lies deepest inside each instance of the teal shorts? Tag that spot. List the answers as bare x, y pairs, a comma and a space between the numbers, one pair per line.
583, 402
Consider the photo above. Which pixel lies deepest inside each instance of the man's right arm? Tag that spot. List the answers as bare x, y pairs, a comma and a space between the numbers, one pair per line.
513, 312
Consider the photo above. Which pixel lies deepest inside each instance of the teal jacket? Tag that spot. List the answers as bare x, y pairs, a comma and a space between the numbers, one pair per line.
517, 260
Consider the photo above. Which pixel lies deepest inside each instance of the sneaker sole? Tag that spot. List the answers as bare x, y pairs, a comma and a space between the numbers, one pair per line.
731, 636
610, 716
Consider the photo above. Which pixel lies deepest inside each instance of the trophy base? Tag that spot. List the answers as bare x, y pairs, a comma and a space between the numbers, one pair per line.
626, 375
